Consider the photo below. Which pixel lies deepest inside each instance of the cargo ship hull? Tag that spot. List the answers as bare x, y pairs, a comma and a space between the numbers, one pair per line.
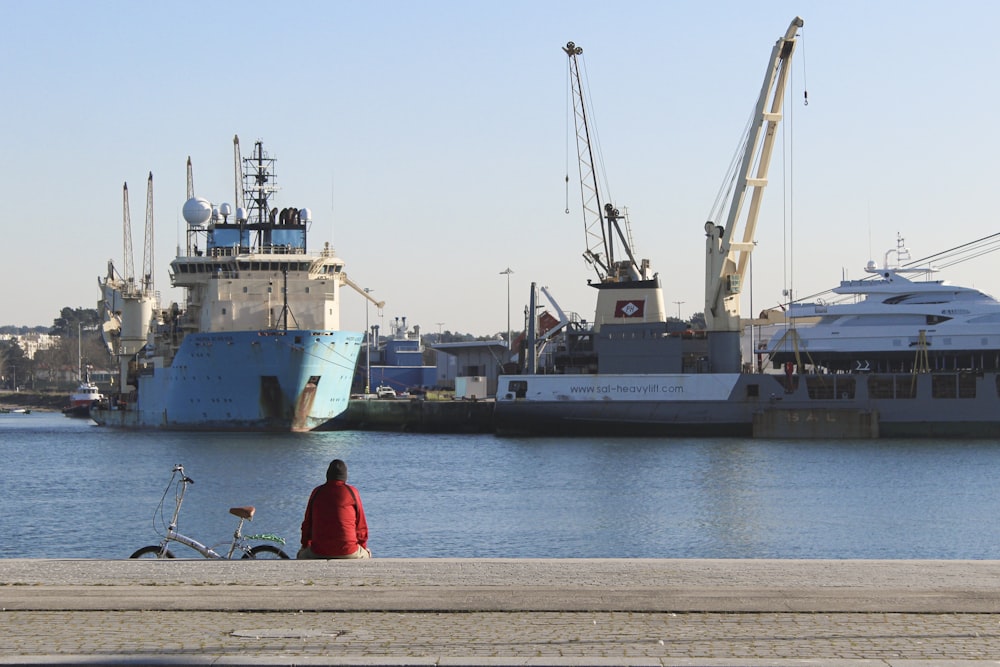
267, 380
904, 405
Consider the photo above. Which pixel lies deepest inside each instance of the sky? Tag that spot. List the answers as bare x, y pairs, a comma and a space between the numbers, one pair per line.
432, 141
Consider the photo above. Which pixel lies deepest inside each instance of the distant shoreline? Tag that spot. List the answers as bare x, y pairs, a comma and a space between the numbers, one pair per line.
41, 401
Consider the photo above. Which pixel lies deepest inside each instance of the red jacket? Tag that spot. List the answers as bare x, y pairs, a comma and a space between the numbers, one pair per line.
335, 523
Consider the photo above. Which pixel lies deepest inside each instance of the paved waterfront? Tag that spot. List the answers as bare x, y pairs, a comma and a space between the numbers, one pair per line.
501, 612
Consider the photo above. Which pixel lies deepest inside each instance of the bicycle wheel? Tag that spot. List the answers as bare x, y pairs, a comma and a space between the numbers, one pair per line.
266, 552
153, 551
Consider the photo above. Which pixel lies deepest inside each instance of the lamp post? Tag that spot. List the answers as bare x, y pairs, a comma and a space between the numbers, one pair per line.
507, 273
679, 310
368, 346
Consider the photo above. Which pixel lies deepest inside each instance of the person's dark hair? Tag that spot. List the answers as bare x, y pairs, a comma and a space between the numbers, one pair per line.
337, 470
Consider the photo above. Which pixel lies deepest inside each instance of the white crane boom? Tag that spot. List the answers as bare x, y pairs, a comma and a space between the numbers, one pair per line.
361, 290
129, 273
147, 250
727, 258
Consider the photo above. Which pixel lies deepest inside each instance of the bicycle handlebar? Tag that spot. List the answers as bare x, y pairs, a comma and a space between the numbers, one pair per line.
178, 468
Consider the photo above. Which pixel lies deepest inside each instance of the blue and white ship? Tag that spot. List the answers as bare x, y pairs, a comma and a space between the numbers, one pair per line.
257, 343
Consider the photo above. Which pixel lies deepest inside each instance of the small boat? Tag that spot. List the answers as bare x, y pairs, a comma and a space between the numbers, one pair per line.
86, 393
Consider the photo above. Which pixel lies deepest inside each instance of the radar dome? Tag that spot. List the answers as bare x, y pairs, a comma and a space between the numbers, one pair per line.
305, 215
226, 210
197, 211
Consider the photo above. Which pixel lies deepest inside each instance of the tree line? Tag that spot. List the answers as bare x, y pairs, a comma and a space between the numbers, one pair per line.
79, 341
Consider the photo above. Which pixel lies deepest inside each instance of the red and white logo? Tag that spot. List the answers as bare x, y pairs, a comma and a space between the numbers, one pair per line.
630, 308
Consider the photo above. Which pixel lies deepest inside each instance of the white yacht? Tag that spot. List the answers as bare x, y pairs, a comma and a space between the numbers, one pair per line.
897, 320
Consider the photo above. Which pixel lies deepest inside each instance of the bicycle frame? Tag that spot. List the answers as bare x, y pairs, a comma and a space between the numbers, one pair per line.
239, 541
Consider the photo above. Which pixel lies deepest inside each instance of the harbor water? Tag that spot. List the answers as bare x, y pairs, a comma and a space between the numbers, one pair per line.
75, 490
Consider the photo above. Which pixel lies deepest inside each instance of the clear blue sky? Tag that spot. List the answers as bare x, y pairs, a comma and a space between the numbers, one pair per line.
430, 139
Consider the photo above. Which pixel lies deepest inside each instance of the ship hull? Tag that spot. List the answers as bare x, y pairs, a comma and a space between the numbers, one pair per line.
280, 381
958, 405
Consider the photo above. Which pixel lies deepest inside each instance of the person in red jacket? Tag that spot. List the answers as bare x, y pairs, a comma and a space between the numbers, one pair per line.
335, 525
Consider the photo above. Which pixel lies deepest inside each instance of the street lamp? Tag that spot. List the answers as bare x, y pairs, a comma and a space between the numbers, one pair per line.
679, 309
507, 273
368, 346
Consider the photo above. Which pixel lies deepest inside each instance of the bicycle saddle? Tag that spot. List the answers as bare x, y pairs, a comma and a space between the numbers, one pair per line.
243, 512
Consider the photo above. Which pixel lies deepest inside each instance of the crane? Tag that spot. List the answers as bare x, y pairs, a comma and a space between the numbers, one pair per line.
129, 273
602, 224
628, 292
727, 256
147, 250
238, 174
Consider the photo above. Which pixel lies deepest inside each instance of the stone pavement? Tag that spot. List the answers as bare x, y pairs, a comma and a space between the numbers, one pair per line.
500, 612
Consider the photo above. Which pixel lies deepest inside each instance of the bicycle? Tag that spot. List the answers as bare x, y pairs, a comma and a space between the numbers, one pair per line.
240, 542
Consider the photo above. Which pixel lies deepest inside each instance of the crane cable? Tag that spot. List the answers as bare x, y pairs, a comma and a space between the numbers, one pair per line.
568, 94
802, 58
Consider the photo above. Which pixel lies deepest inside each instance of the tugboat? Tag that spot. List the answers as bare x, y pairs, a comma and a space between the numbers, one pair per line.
87, 393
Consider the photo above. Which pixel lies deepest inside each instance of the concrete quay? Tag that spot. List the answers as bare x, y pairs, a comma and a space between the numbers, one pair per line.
497, 612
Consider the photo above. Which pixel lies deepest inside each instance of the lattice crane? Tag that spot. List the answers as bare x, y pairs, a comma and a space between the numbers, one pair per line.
147, 250
128, 275
602, 223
